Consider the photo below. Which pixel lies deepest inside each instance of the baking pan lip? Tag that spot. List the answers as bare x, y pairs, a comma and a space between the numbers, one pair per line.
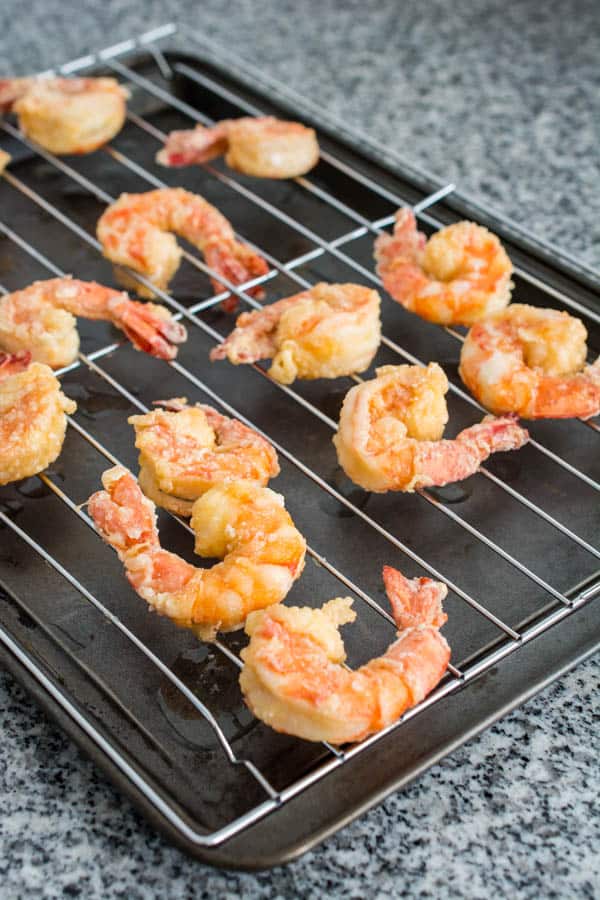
574, 644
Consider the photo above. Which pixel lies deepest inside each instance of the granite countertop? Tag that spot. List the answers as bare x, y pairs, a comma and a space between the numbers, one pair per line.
505, 100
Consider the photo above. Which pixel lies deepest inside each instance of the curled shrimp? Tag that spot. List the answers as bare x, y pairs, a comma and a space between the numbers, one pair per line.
41, 317
293, 678
264, 147
244, 524
531, 361
461, 274
390, 429
185, 450
325, 332
66, 115
135, 231
32, 417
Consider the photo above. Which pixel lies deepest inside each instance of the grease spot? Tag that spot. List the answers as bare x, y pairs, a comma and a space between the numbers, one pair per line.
214, 680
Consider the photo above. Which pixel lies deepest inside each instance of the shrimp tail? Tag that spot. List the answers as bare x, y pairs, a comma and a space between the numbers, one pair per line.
219, 352
149, 329
414, 601
398, 258
194, 146
591, 391
175, 404
11, 89
123, 516
126, 520
251, 339
441, 462
11, 363
495, 435
237, 263
406, 242
421, 654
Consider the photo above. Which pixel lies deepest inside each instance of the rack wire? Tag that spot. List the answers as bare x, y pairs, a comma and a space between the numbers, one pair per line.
510, 638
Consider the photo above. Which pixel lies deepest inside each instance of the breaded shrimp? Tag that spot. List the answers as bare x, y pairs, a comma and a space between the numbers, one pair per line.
32, 417
244, 524
458, 276
389, 436
41, 318
135, 231
66, 115
264, 147
185, 450
531, 361
325, 332
293, 679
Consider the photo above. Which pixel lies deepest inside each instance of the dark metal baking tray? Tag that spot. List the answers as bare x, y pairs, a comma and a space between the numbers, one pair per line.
513, 543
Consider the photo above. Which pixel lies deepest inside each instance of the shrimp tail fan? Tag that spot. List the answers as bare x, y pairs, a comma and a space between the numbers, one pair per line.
414, 601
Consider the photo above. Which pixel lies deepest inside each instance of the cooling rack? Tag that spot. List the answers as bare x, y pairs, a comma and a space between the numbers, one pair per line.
516, 543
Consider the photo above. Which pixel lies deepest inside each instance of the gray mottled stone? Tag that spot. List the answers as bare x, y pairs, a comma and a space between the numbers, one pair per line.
505, 100
513, 813
502, 98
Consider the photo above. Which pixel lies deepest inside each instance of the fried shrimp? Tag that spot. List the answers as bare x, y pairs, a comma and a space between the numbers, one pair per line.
458, 276
389, 436
325, 332
41, 318
265, 147
185, 450
531, 361
244, 524
135, 231
66, 115
32, 417
293, 678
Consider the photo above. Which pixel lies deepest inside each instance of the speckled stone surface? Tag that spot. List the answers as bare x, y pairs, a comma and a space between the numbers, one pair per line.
505, 100
502, 98
514, 813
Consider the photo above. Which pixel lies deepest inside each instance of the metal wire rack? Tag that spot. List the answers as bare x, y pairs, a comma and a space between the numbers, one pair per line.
498, 633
